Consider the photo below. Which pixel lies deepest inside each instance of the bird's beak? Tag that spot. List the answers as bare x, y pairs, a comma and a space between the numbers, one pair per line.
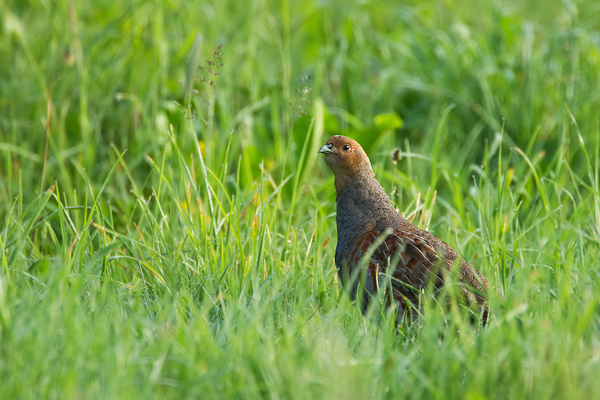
326, 149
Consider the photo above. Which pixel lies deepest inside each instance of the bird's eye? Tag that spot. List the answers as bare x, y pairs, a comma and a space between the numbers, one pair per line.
346, 147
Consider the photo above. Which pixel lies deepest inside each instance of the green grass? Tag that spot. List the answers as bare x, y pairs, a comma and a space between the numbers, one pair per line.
161, 243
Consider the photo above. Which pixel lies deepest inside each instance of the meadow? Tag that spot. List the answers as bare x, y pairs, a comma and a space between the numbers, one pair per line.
167, 228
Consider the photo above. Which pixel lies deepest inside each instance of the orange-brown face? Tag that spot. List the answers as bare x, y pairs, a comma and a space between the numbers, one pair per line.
344, 156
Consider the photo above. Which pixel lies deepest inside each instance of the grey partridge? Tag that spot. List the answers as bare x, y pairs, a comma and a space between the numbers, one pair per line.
402, 259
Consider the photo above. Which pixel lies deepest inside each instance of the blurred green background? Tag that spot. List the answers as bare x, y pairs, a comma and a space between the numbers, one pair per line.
168, 231
111, 71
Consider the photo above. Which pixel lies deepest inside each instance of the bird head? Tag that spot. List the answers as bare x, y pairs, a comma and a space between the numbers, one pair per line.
346, 158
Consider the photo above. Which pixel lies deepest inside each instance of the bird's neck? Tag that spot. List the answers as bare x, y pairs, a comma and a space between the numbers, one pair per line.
363, 205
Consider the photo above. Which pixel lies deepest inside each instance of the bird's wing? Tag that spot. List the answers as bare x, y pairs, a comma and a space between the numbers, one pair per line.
413, 260
408, 262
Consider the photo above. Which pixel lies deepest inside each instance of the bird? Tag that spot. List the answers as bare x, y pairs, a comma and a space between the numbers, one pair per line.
379, 250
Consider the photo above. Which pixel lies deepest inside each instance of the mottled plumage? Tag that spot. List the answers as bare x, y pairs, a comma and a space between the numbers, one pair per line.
404, 259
